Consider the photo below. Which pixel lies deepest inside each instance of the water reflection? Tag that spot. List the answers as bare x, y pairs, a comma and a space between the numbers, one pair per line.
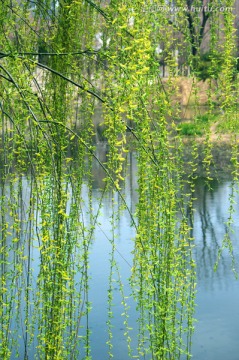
217, 311
218, 292
210, 226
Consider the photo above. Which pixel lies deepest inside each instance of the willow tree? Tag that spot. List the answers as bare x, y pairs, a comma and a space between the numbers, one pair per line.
54, 75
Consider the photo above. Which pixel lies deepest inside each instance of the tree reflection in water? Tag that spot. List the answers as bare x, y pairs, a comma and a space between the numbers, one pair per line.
217, 291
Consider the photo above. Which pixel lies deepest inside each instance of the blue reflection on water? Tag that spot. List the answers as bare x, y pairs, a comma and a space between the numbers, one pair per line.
217, 311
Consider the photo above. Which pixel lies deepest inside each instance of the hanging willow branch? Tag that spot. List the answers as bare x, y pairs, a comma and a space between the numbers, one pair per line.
51, 224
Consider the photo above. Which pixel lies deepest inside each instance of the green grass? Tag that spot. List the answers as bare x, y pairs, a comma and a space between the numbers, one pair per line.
198, 126
228, 123
190, 129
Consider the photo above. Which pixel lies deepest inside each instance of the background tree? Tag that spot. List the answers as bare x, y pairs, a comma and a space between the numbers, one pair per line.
48, 102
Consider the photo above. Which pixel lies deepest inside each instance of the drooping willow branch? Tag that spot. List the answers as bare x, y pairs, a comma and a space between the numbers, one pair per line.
12, 80
93, 94
70, 81
130, 129
82, 52
97, 159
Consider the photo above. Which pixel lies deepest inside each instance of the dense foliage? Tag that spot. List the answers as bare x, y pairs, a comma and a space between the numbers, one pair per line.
60, 63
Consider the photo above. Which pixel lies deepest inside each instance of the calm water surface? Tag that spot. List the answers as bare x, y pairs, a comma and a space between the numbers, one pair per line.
217, 311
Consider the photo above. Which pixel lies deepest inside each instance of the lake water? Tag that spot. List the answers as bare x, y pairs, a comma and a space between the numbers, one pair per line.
217, 310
